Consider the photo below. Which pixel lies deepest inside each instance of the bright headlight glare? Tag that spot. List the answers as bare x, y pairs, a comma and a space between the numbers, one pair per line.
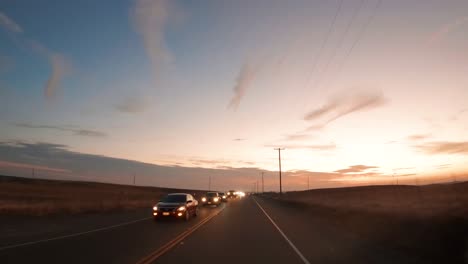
182, 208
229, 193
216, 199
203, 199
224, 196
155, 208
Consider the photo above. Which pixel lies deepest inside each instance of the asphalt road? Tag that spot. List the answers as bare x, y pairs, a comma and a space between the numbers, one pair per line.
250, 230
240, 234
237, 232
92, 239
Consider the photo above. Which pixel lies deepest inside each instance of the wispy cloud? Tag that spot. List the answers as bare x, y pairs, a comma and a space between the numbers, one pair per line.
108, 169
444, 147
297, 136
132, 105
244, 80
356, 169
88, 133
60, 67
314, 128
345, 104
19, 165
207, 162
219, 163
151, 18
417, 137
404, 168
239, 139
74, 130
443, 166
459, 114
8, 24
300, 146
446, 29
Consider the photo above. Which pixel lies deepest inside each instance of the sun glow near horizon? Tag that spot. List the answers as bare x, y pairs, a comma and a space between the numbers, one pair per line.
174, 89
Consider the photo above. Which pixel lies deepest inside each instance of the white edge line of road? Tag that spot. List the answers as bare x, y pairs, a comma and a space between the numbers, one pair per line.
283, 234
72, 235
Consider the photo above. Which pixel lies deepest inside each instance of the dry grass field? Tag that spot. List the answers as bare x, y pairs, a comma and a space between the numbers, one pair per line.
22, 196
429, 223
428, 200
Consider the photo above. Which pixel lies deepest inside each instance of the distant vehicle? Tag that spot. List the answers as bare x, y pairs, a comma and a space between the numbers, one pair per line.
232, 194
240, 194
223, 196
176, 205
211, 198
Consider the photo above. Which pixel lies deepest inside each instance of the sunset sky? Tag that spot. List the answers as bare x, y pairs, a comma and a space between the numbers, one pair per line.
356, 91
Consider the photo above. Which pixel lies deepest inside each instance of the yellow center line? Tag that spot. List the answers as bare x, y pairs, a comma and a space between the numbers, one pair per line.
171, 244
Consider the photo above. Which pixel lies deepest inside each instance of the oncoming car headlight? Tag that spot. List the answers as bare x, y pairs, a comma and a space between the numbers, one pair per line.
155, 208
182, 208
224, 196
229, 193
203, 199
216, 199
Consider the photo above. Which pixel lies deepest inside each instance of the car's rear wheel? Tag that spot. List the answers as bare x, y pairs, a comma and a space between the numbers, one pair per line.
196, 212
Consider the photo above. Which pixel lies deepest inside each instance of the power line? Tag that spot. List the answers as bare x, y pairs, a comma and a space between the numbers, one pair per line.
331, 29
340, 43
359, 36
325, 41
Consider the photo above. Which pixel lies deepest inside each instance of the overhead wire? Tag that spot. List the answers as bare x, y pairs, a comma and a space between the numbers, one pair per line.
340, 42
358, 38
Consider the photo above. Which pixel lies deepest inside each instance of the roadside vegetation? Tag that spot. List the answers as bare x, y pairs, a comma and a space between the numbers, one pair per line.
22, 196
428, 223
450, 199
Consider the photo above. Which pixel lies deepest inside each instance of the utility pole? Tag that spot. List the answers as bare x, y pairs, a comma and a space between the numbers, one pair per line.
279, 161
263, 186
134, 176
209, 183
256, 186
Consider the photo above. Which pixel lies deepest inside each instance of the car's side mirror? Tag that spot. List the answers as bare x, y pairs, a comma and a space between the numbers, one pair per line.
189, 201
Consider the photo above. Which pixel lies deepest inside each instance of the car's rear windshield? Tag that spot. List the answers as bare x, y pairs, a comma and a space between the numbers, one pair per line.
221, 193
174, 198
211, 194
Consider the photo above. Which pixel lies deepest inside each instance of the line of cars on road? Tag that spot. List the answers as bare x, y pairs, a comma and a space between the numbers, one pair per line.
185, 206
